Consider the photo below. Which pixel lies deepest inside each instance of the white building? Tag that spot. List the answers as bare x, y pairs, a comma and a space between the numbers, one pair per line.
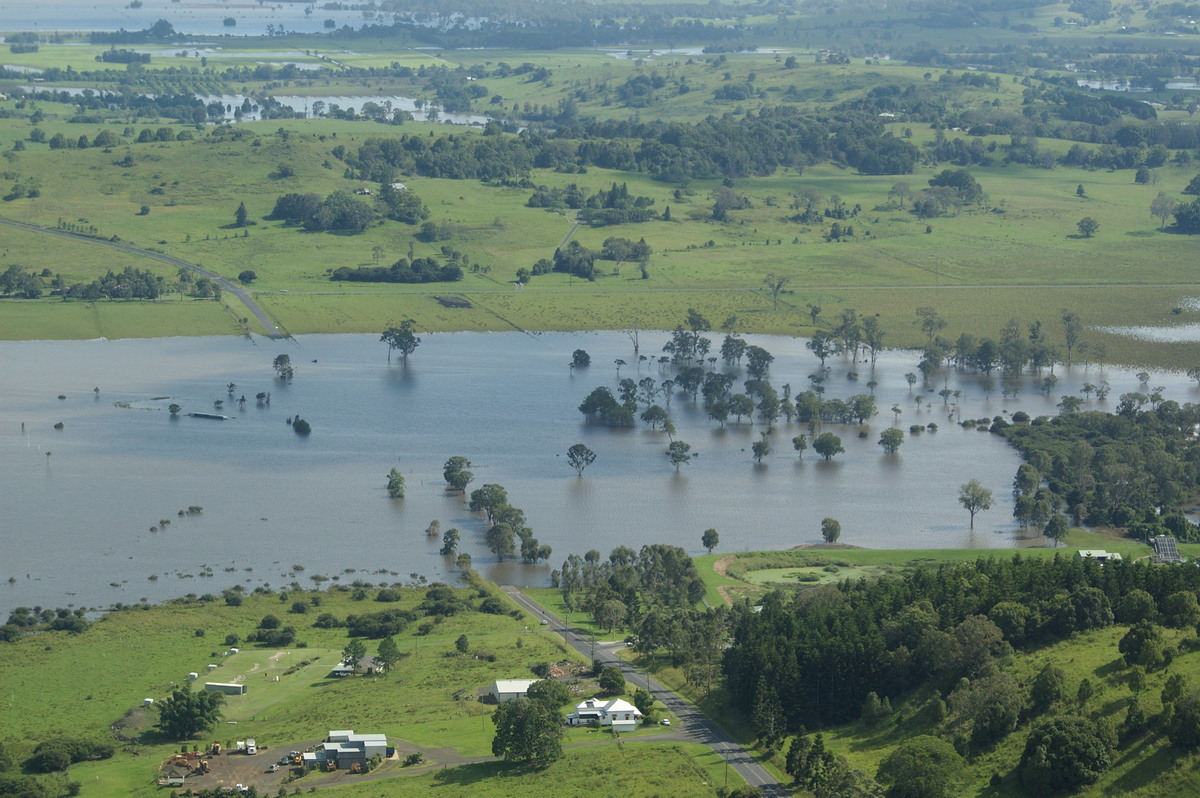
617, 712
346, 749
1099, 555
504, 690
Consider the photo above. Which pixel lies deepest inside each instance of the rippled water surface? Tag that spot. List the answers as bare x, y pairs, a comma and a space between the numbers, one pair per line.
79, 502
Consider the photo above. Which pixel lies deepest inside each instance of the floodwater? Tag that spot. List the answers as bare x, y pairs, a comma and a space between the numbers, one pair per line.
80, 501
1165, 333
191, 17
307, 105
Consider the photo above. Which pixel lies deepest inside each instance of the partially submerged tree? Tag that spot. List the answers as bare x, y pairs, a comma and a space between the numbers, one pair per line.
679, 453
403, 339
580, 457
283, 367
974, 497
395, 484
831, 530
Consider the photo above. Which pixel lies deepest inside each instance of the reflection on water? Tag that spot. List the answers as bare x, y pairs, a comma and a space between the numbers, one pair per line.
1177, 334
80, 501
192, 17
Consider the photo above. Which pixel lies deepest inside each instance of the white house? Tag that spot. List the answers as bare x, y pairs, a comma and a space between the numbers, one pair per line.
504, 690
617, 712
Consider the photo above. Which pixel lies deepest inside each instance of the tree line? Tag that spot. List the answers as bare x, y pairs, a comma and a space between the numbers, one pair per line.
825, 650
1133, 469
757, 143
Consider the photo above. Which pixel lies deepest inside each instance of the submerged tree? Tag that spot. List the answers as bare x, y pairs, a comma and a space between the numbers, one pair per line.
580, 457
283, 367
679, 453
395, 484
831, 530
456, 474
449, 542
890, 439
974, 497
402, 338
827, 445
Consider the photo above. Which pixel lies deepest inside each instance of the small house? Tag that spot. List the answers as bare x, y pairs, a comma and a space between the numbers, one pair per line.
367, 666
617, 712
504, 690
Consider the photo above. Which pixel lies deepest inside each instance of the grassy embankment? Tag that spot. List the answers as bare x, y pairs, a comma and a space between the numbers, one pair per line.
977, 268
58, 684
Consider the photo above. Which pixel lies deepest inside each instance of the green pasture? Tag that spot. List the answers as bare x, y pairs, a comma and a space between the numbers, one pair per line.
749, 574
688, 770
1018, 255
58, 684
811, 575
1147, 768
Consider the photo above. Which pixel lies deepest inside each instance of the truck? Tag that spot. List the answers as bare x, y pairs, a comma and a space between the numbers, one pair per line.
251, 748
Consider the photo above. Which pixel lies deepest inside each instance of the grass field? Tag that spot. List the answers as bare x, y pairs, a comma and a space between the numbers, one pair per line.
58, 684
977, 267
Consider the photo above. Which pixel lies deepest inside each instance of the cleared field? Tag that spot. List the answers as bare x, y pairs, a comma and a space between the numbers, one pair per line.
1015, 255
78, 685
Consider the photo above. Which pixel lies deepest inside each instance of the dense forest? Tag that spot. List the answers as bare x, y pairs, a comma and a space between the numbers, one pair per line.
823, 651
730, 147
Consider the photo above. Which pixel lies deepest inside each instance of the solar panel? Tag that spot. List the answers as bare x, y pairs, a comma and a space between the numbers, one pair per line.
1166, 549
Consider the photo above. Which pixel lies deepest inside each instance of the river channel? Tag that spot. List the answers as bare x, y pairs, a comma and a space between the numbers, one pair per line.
80, 501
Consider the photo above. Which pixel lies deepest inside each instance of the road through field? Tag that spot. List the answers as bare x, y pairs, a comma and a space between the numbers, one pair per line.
697, 727
268, 325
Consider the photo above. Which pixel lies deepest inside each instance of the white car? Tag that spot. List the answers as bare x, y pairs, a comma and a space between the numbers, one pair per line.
665, 721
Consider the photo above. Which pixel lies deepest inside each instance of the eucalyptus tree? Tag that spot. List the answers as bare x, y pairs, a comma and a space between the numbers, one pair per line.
456, 474
402, 338
827, 445
974, 497
580, 457
679, 453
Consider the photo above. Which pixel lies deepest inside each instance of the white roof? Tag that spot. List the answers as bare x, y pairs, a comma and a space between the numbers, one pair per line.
607, 707
1099, 554
512, 685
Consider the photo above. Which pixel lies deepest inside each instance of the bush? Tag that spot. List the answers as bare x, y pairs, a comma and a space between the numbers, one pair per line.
493, 606
1063, 754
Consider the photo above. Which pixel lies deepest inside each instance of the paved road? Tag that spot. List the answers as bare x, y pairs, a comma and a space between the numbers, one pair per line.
695, 725
226, 285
